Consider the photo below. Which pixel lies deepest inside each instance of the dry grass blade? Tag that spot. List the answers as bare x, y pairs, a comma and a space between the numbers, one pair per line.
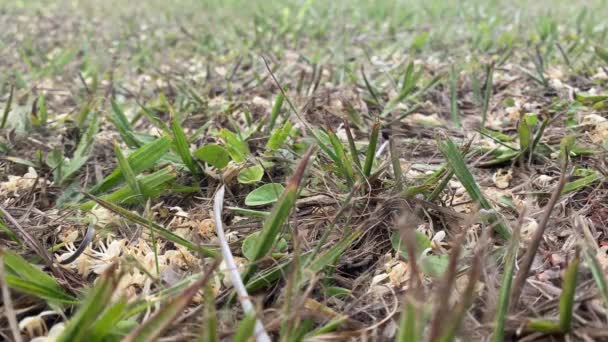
28, 239
526, 264
151, 329
351, 145
237, 282
487, 95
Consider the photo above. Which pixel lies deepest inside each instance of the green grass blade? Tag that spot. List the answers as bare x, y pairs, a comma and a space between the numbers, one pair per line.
92, 306
152, 186
581, 182
279, 214
276, 110
457, 163
128, 172
487, 94
371, 149
602, 53
369, 87
107, 320
209, 333
7, 108
544, 326
140, 160
119, 119
245, 330
214, 155
160, 321
505, 287
84, 148
24, 277
408, 331
454, 97
158, 229
278, 137
598, 274
182, 146
345, 164
566, 301
330, 256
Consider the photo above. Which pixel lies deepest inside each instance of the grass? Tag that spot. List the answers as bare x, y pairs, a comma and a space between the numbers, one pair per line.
479, 129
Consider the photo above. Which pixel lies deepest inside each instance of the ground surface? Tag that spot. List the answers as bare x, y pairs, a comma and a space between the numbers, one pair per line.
450, 145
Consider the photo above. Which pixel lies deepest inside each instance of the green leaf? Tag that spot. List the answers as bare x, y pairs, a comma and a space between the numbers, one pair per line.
526, 129
278, 137
581, 182
409, 327
434, 265
266, 194
422, 242
140, 160
250, 242
590, 99
251, 174
248, 247
214, 155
